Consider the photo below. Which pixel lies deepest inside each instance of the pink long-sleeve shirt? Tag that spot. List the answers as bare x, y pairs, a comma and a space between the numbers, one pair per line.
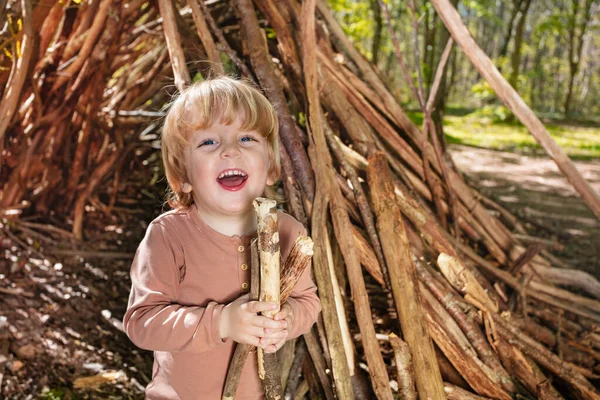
183, 274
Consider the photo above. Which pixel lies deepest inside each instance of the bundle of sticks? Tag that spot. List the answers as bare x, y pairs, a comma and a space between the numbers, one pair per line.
269, 281
421, 278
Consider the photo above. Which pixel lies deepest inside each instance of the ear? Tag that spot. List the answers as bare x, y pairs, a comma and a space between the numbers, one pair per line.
186, 188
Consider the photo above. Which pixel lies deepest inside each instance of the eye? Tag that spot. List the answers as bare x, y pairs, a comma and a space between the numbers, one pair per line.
248, 138
207, 142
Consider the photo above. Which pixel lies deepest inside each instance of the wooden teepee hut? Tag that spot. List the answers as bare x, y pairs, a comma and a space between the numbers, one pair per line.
423, 281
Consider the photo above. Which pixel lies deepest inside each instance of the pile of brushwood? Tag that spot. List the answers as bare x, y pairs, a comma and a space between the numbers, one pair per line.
432, 288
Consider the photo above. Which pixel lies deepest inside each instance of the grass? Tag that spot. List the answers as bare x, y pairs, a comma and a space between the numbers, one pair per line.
581, 140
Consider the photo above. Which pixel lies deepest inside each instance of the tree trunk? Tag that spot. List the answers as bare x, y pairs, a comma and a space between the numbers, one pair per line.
516, 54
576, 46
376, 45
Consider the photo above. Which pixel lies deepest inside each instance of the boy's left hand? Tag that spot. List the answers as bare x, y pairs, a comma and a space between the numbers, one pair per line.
285, 313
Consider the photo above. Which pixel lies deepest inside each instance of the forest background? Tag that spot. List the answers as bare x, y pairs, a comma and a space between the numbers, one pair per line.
549, 51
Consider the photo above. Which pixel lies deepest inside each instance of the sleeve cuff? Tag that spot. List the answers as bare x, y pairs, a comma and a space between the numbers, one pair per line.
214, 329
293, 331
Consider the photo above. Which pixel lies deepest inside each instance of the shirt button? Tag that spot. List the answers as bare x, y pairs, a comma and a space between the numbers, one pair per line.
245, 286
241, 249
244, 267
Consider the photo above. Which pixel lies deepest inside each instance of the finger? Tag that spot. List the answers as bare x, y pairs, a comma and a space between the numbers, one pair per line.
250, 339
275, 347
280, 344
265, 322
271, 348
260, 306
265, 342
275, 335
281, 314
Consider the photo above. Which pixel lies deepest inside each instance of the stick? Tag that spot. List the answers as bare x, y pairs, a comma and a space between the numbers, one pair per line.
403, 278
406, 382
180, 71
341, 221
269, 255
206, 38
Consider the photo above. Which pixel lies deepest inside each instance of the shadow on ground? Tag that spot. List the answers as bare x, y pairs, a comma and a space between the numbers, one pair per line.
535, 190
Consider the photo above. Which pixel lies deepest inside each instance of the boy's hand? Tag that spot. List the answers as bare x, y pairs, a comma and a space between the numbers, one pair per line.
240, 322
275, 343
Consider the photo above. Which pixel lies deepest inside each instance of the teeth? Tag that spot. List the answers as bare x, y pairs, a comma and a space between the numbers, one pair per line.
232, 172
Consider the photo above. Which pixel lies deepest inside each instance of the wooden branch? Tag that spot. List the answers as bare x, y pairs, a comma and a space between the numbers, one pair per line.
369, 74
362, 202
316, 355
403, 278
269, 255
580, 387
295, 265
341, 222
89, 38
94, 181
206, 37
525, 370
512, 100
180, 71
406, 382
454, 344
457, 393
13, 91
263, 66
456, 306
295, 370
224, 45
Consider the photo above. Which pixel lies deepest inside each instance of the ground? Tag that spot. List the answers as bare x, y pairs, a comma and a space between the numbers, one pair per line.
533, 189
60, 330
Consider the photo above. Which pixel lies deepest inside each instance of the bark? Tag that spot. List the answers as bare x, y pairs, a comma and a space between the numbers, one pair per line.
376, 45
340, 218
316, 355
450, 339
296, 369
516, 55
269, 256
406, 383
263, 66
206, 38
403, 278
13, 92
575, 45
173, 39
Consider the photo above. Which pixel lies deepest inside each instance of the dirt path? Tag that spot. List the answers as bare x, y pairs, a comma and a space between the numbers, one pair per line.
534, 189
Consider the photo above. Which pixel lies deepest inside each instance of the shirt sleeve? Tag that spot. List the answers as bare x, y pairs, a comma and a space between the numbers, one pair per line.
304, 302
154, 320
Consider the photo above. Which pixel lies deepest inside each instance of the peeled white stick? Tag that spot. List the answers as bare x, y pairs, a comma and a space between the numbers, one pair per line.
269, 255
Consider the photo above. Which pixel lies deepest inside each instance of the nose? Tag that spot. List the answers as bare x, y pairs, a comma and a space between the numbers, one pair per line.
230, 150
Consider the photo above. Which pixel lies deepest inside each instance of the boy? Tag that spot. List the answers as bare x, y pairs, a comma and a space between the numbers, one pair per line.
190, 276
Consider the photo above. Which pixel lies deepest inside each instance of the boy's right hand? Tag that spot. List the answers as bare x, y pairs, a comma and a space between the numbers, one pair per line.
240, 322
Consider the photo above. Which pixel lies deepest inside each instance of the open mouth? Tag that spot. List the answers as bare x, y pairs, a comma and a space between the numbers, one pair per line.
232, 179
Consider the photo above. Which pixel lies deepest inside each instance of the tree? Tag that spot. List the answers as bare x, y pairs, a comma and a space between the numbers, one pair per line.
577, 26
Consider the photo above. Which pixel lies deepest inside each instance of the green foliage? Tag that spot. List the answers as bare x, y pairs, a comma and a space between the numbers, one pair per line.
543, 71
356, 19
494, 113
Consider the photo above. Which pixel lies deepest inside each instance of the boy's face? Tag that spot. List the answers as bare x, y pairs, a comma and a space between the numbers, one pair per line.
227, 169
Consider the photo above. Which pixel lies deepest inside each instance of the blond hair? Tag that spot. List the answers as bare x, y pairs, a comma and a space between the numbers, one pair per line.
219, 100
